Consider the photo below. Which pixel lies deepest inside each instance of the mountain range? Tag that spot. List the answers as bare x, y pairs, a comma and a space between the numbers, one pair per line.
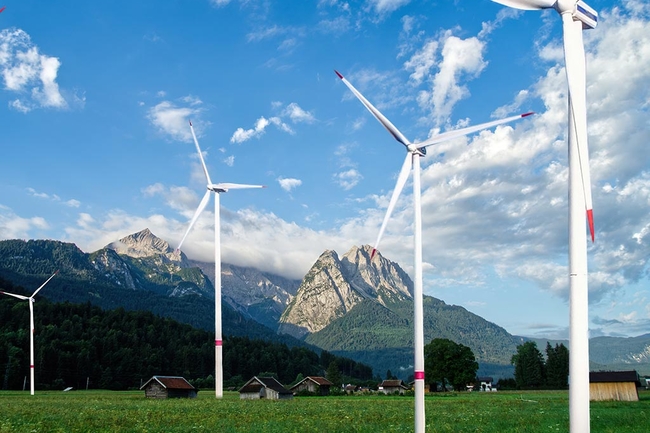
353, 306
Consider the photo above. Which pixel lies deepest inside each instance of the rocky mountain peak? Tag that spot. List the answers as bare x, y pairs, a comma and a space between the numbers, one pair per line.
333, 286
144, 244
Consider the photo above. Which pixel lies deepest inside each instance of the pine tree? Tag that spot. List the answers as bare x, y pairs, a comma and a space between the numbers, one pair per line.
529, 366
557, 366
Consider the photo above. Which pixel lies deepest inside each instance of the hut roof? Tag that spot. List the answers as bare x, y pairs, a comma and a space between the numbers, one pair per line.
392, 384
614, 376
170, 382
318, 380
256, 383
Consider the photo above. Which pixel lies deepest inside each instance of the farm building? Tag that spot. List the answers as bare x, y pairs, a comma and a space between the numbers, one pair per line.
392, 387
168, 387
614, 385
314, 384
264, 387
485, 383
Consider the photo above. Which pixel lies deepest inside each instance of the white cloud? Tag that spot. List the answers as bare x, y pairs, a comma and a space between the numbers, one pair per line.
297, 114
230, 161
289, 184
219, 3
173, 120
293, 111
386, 6
26, 71
13, 226
423, 61
461, 59
348, 179
53, 197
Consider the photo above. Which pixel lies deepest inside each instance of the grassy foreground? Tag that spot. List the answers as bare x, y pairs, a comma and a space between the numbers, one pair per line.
105, 411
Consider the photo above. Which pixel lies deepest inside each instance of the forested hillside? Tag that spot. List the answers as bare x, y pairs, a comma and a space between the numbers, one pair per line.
118, 349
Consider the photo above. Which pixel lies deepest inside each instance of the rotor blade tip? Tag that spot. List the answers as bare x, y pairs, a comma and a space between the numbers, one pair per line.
190, 123
374, 250
530, 113
339, 74
590, 218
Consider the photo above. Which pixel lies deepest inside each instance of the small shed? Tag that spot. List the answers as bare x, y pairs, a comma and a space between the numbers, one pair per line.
392, 387
314, 384
485, 383
168, 387
614, 385
264, 387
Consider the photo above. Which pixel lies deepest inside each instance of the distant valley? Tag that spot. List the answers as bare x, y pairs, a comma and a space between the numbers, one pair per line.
349, 305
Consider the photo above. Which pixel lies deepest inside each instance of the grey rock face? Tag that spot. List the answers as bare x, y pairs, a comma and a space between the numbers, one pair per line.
332, 287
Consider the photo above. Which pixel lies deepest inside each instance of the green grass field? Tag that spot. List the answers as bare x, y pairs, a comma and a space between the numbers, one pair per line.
105, 411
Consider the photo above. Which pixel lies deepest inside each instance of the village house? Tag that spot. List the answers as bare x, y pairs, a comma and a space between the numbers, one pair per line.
168, 387
614, 385
485, 384
313, 384
264, 387
392, 387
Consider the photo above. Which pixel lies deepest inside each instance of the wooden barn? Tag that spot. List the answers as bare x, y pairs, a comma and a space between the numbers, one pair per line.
264, 387
168, 387
314, 384
392, 387
614, 385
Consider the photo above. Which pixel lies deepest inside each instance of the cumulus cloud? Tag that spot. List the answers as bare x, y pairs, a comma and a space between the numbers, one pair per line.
292, 111
289, 184
13, 226
29, 73
461, 59
173, 120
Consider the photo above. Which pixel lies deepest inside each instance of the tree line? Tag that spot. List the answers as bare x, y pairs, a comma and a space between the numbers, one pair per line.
82, 345
447, 362
532, 371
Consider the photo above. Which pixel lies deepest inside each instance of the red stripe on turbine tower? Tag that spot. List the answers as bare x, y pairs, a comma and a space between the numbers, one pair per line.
419, 375
218, 342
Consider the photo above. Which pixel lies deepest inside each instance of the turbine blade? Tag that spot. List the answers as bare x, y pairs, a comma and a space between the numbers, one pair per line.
226, 186
380, 117
202, 205
43, 285
21, 297
527, 5
399, 186
450, 135
198, 149
574, 57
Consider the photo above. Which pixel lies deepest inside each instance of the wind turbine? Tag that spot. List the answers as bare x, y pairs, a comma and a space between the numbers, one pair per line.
414, 151
216, 188
31, 327
576, 17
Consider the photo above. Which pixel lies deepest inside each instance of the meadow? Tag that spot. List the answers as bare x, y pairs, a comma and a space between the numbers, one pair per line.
120, 411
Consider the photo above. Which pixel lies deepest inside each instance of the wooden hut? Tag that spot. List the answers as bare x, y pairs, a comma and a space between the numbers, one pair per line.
168, 387
392, 387
314, 384
614, 385
264, 387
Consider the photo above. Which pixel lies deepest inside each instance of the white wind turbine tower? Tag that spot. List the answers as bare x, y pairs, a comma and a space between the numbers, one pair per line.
576, 16
414, 151
216, 188
31, 301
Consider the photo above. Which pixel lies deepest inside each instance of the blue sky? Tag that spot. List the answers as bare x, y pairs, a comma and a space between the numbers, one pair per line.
95, 99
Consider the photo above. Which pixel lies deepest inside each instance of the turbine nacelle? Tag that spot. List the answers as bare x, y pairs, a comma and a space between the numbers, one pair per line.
579, 10
413, 148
